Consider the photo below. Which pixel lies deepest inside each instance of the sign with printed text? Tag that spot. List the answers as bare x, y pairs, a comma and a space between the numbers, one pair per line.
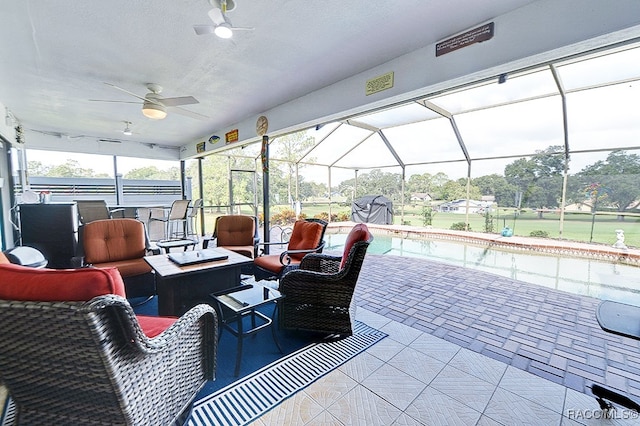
380, 83
231, 136
476, 35
200, 147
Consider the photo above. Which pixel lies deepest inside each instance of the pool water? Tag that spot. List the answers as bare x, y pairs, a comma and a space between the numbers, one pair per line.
588, 277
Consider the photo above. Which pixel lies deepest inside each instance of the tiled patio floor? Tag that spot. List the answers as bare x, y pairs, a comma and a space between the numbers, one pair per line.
467, 347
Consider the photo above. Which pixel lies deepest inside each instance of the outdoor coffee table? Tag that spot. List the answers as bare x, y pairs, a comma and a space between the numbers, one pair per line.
180, 288
238, 303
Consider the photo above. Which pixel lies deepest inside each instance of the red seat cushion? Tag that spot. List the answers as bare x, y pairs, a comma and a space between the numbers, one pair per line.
152, 326
271, 262
360, 232
305, 236
57, 285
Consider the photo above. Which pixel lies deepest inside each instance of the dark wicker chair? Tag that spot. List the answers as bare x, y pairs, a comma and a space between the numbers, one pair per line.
306, 237
319, 295
90, 363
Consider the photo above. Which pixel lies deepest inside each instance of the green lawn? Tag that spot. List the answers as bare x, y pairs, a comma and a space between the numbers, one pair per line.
577, 227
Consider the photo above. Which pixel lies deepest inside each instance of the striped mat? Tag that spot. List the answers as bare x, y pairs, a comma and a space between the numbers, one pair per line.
247, 399
253, 395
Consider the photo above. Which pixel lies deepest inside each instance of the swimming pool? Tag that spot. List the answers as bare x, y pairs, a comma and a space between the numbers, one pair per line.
583, 276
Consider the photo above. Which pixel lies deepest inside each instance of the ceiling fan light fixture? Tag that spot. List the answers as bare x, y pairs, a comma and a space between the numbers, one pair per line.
154, 111
223, 31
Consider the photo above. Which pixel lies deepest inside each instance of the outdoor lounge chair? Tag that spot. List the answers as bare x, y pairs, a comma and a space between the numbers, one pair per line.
73, 352
237, 233
90, 210
120, 243
319, 294
306, 237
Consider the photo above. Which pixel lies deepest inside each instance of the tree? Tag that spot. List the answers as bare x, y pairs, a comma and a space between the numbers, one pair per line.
457, 190
539, 178
153, 173
36, 168
290, 149
70, 168
215, 172
618, 176
376, 182
428, 183
497, 186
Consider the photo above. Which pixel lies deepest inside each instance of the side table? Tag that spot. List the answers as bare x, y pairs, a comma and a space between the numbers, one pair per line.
237, 303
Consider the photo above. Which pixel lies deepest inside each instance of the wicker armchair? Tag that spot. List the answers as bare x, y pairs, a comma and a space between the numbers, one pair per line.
319, 295
94, 362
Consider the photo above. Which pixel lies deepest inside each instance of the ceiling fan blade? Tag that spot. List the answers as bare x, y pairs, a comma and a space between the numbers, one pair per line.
204, 29
125, 91
118, 102
181, 100
243, 28
188, 113
217, 16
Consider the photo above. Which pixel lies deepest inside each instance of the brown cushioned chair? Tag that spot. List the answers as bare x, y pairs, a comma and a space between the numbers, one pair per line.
119, 243
237, 233
306, 238
73, 351
319, 294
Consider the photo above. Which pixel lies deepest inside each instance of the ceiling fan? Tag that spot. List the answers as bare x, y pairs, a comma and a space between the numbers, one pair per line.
222, 26
155, 106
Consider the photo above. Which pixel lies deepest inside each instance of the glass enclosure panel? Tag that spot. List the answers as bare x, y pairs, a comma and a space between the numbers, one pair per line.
516, 88
602, 69
607, 117
139, 168
68, 164
515, 129
427, 141
337, 144
398, 116
321, 132
514, 134
603, 197
370, 153
191, 174
247, 151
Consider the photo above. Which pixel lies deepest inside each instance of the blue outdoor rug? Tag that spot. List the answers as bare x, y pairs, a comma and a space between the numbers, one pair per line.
256, 393
267, 377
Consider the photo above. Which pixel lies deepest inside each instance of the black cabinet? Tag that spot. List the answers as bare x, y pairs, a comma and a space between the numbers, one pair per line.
52, 229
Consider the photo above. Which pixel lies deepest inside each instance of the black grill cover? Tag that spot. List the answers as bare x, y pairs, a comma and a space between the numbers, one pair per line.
372, 209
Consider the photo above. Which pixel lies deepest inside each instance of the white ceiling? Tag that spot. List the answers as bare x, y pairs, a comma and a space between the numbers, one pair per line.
56, 56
